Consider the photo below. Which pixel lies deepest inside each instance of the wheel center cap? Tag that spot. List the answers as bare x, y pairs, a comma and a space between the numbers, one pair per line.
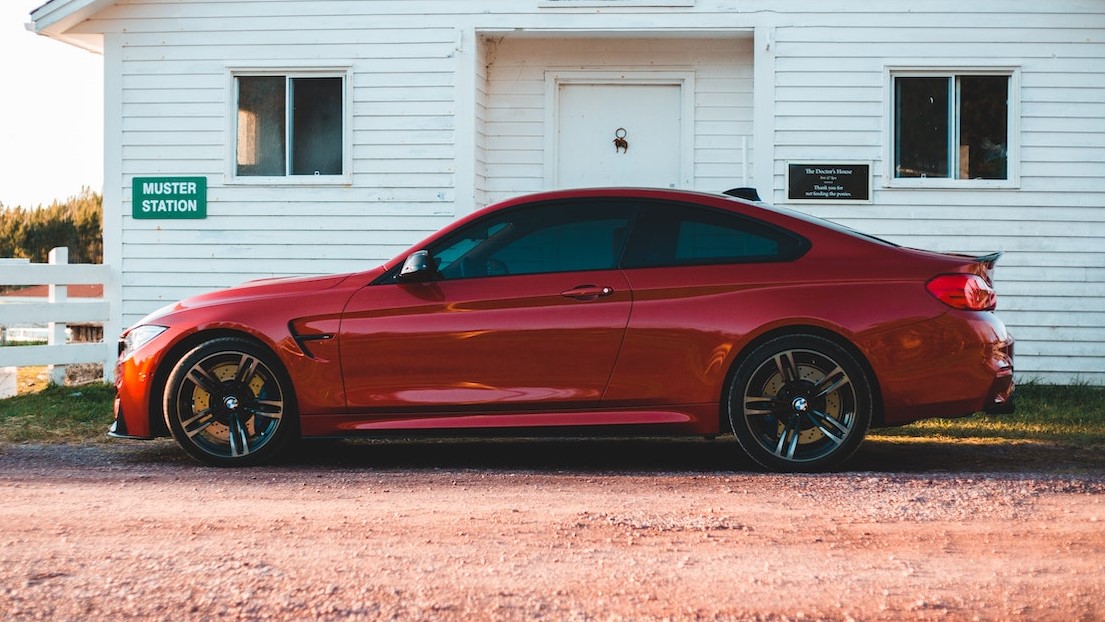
800, 404
230, 402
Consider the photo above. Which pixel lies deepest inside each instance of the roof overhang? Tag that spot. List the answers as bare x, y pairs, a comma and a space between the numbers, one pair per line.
57, 18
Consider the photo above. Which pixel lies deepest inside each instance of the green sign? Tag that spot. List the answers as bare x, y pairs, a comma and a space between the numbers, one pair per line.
169, 197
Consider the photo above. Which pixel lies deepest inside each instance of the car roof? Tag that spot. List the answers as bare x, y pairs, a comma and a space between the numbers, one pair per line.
717, 200
622, 191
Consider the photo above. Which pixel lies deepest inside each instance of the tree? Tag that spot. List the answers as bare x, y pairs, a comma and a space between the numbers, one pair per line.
76, 223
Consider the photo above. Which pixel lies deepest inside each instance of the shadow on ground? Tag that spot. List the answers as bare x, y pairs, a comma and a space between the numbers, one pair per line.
644, 456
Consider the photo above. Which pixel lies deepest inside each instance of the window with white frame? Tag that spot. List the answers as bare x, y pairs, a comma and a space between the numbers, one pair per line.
953, 126
290, 125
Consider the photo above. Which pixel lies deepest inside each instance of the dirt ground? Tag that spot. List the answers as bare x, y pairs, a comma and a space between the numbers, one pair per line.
552, 530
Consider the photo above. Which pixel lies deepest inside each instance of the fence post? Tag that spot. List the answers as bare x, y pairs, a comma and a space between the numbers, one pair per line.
57, 293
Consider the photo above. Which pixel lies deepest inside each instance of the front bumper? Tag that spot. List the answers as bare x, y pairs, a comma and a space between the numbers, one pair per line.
135, 407
119, 429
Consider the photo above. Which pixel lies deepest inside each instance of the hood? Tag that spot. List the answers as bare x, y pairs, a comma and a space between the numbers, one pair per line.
260, 288
252, 290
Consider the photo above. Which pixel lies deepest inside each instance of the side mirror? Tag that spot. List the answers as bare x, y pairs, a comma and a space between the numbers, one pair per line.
417, 268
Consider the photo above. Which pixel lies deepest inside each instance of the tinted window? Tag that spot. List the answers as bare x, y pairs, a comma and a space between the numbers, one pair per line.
687, 235
554, 237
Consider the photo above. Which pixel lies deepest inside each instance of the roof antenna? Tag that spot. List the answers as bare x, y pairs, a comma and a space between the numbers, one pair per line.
748, 194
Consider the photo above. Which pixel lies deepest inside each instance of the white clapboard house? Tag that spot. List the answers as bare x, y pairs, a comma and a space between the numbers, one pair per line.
247, 139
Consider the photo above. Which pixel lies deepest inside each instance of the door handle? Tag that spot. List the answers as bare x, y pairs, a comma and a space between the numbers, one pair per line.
588, 292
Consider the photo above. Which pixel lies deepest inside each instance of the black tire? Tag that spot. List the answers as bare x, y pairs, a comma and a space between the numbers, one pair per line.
228, 402
800, 403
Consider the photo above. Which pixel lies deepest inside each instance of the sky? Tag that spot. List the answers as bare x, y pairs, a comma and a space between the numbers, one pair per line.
51, 113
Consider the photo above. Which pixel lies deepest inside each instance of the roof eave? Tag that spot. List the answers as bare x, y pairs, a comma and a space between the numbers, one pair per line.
57, 18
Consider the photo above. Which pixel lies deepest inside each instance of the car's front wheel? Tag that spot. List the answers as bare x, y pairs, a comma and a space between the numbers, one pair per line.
228, 402
800, 403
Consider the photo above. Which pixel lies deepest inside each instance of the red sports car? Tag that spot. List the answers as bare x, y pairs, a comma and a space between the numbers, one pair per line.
624, 311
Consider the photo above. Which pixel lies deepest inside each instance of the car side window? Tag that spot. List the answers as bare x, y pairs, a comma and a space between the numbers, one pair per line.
537, 239
675, 235
712, 241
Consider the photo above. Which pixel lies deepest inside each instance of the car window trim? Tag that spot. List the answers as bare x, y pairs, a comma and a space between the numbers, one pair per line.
801, 244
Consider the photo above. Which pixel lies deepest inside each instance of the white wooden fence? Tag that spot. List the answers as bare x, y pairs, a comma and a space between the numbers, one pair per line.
55, 311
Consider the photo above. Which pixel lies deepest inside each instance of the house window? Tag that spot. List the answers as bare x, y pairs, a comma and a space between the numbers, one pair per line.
290, 125
952, 126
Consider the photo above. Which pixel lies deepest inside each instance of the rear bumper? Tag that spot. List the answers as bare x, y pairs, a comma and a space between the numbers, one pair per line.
952, 366
1002, 398
1004, 406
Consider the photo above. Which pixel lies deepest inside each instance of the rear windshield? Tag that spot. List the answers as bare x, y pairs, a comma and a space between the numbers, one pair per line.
828, 224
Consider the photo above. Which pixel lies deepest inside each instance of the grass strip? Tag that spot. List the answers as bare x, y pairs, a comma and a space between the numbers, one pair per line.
58, 414
1068, 415
1065, 414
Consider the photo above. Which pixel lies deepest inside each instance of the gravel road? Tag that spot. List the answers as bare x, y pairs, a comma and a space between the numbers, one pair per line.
552, 530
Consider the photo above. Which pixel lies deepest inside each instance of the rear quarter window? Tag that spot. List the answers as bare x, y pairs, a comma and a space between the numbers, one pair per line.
680, 235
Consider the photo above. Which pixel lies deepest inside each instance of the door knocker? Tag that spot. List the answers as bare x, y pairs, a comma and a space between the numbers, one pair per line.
620, 143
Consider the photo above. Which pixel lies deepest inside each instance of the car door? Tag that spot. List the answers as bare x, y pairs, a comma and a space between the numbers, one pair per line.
526, 310
700, 278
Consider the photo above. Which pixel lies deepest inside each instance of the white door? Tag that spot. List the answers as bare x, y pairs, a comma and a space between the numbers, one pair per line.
619, 135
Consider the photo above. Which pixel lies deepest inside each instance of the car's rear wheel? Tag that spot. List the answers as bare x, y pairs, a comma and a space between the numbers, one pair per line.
228, 402
800, 403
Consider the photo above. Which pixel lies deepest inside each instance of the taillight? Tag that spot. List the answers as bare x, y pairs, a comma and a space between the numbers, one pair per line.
970, 292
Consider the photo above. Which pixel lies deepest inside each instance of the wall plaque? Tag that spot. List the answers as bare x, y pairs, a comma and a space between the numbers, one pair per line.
829, 182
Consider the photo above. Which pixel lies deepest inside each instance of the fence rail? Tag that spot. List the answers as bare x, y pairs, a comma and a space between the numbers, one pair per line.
56, 310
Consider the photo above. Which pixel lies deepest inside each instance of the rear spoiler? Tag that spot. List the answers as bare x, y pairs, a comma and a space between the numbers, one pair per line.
990, 260
986, 261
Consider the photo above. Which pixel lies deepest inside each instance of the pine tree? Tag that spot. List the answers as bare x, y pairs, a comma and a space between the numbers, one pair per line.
76, 223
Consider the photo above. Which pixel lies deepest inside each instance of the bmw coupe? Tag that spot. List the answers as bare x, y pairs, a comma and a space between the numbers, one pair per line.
601, 311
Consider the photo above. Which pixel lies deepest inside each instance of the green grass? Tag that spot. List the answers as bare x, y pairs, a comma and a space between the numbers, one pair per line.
58, 414
1068, 415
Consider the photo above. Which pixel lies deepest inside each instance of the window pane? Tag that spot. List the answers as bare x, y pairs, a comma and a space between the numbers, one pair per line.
561, 237
983, 127
261, 126
316, 126
675, 235
568, 247
714, 241
921, 127
472, 237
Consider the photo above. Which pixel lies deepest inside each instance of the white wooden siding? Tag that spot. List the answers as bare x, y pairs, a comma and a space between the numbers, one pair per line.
1051, 281
429, 75
174, 108
514, 129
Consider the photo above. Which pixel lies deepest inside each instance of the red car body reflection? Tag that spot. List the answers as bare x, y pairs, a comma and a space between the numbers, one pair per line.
632, 310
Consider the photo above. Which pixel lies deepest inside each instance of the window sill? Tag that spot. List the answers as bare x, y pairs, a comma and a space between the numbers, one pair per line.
292, 180
546, 4
930, 183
